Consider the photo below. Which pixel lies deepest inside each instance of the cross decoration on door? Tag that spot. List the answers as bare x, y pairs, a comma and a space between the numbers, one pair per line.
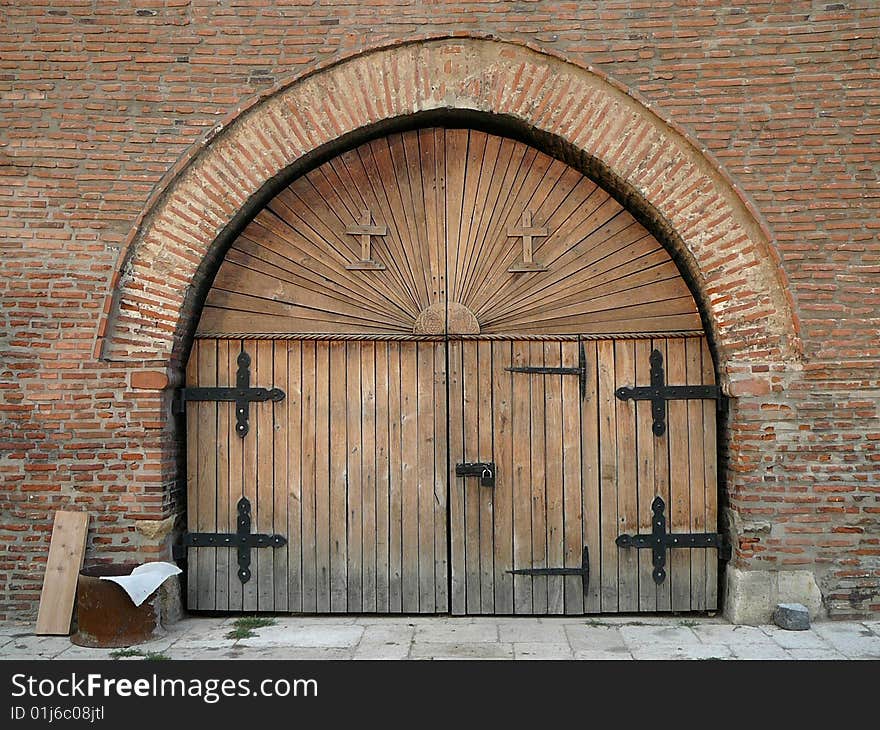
658, 393
527, 232
366, 230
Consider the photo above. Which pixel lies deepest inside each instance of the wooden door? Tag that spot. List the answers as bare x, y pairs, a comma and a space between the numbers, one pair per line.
575, 467
364, 286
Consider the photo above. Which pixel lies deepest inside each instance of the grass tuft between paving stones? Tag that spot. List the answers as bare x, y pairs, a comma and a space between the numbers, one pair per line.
244, 626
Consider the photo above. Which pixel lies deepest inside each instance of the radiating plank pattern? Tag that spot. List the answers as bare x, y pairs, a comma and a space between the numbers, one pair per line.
450, 202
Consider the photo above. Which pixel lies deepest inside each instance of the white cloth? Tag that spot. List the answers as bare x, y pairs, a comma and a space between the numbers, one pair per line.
144, 579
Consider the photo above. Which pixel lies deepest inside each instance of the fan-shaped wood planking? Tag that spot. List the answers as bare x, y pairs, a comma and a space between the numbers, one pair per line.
444, 205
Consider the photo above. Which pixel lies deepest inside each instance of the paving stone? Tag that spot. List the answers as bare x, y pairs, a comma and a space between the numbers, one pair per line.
315, 635
541, 650
639, 636
198, 652
382, 641
34, 647
288, 653
335, 619
530, 631
759, 651
795, 639
600, 655
210, 638
850, 638
692, 650
594, 638
730, 634
84, 652
452, 633
816, 654
462, 650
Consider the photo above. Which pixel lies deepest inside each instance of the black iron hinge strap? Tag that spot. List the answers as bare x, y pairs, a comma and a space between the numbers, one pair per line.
580, 370
242, 538
583, 571
658, 393
242, 394
659, 541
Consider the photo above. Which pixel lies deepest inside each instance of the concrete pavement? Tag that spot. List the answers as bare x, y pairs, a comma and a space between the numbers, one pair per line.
443, 637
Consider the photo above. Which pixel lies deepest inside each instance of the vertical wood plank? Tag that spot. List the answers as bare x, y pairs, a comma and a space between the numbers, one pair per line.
395, 478
678, 562
207, 467
263, 439
521, 480
592, 513
553, 476
661, 479
409, 483
308, 448
368, 474
483, 374
354, 482
382, 476
608, 475
192, 477
251, 589
502, 434
458, 485
645, 474
281, 476
538, 481
696, 468
236, 477
440, 501
710, 475
295, 456
627, 486
426, 455
226, 563
471, 527
572, 494
340, 482
324, 440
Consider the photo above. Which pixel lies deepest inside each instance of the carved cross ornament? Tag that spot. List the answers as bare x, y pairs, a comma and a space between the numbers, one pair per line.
366, 230
528, 232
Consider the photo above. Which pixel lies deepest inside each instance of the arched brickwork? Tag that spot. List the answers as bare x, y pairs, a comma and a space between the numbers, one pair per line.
718, 237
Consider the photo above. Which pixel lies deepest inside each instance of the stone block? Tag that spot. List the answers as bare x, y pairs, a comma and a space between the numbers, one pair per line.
751, 596
792, 616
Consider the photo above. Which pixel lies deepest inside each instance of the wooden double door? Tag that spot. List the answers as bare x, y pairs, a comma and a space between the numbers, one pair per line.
414, 298
356, 469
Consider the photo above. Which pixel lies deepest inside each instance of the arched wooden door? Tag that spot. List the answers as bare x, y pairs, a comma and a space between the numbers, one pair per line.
454, 323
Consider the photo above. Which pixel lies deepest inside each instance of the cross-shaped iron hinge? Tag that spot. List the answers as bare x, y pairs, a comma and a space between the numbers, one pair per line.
659, 541
242, 394
658, 393
242, 538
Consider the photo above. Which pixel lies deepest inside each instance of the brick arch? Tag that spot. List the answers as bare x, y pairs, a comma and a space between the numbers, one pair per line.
709, 224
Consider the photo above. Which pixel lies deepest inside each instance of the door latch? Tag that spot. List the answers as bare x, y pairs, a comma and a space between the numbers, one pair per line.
483, 469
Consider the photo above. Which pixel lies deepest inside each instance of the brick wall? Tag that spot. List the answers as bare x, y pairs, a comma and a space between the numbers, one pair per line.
98, 101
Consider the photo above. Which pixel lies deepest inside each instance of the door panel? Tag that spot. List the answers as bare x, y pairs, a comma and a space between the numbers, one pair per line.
530, 427
351, 468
